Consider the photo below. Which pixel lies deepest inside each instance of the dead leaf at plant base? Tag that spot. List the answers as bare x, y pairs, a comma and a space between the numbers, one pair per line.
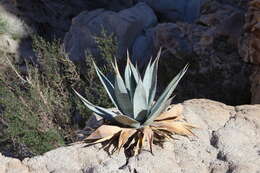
133, 140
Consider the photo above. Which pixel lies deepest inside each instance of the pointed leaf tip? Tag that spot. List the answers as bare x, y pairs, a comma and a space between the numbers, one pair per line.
159, 107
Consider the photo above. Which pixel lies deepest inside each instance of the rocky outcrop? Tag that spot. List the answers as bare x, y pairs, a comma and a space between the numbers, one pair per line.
253, 27
255, 85
176, 10
228, 141
251, 44
126, 25
143, 47
250, 47
211, 47
52, 18
10, 165
206, 34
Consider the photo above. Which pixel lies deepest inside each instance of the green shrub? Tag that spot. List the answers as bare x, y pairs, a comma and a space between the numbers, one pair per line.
37, 103
37, 107
108, 45
93, 89
3, 26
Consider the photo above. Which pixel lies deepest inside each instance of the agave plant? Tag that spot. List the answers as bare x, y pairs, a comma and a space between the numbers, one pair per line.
139, 118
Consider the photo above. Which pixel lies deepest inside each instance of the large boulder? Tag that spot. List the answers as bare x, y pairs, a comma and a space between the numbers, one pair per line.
211, 47
228, 141
176, 10
250, 47
171, 37
255, 85
126, 25
143, 48
52, 18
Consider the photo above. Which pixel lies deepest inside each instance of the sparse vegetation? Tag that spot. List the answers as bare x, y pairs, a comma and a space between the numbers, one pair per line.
37, 102
107, 44
3, 26
38, 111
94, 90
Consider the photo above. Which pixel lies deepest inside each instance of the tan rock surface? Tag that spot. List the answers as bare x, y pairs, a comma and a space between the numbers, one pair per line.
10, 165
228, 141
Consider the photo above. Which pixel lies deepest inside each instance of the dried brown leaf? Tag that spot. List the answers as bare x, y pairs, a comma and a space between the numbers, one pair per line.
104, 131
175, 113
124, 136
148, 136
162, 134
102, 139
179, 128
138, 146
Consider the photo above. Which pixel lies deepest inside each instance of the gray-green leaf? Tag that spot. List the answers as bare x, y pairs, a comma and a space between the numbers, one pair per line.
108, 114
158, 107
140, 102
